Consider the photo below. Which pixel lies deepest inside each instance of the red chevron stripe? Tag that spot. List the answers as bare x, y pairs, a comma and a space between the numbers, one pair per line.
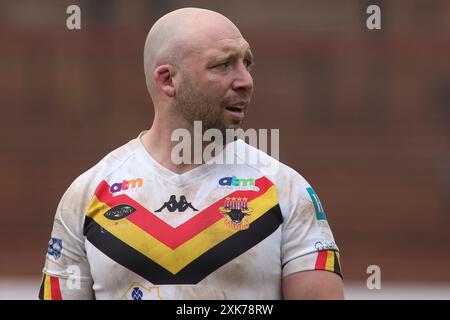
170, 236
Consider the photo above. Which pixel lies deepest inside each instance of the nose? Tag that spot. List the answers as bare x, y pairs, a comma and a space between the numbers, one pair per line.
243, 80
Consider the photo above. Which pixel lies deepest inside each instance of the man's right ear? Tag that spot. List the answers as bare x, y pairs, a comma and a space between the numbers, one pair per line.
163, 76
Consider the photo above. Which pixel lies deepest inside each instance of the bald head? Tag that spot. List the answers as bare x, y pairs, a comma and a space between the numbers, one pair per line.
180, 33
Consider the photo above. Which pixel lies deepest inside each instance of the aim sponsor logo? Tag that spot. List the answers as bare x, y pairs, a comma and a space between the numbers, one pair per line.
126, 185
235, 183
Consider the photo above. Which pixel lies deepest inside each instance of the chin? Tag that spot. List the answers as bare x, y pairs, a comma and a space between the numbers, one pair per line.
233, 123
234, 126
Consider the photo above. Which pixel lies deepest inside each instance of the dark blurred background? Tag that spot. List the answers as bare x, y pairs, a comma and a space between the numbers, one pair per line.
364, 116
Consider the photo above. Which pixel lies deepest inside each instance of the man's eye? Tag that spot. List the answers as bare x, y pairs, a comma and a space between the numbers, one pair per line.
248, 64
223, 65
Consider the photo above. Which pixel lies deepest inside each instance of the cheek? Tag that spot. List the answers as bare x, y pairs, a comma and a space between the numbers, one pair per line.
218, 87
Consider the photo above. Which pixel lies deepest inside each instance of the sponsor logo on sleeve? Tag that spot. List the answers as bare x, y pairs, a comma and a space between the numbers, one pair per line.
320, 213
55, 247
325, 245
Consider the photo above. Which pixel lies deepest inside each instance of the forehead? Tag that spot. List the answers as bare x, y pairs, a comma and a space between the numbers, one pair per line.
213, 45
231, 45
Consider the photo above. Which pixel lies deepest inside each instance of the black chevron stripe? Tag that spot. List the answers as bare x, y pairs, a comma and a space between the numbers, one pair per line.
198, 269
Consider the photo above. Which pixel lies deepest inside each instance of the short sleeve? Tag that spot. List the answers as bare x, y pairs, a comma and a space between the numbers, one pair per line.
307, 239
66, 273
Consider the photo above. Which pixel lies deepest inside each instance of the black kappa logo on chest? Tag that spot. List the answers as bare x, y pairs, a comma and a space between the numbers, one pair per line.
173, 205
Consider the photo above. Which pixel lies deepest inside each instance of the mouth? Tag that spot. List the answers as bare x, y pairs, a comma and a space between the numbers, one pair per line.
238, 108
236, 111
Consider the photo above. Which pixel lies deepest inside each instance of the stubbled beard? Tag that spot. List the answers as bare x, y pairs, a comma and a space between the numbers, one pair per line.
198, 106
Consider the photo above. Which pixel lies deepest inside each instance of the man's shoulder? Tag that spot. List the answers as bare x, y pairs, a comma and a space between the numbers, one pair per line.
85, 184
282, 175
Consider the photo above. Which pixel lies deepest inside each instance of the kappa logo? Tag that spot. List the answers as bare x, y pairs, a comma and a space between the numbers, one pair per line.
235, 183
139, 292
119, 212
126, 185
236, 213
55, 247
173, 205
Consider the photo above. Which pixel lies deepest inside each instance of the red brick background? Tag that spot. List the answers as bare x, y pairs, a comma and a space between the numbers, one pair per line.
364, 116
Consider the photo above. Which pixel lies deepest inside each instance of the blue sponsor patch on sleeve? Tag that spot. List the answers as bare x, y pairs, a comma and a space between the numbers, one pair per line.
55, 247
320, 214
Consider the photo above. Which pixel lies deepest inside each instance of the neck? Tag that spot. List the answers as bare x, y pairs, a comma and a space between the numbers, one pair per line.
157, 142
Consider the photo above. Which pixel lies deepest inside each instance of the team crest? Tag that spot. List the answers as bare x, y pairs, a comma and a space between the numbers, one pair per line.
236, 213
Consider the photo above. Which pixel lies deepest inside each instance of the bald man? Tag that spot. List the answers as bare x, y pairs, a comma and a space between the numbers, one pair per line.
138, 225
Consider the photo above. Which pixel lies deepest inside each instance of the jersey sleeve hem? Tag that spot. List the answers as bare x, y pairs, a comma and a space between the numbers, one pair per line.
327, 260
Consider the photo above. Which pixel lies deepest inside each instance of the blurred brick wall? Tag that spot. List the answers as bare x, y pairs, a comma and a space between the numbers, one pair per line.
363, 115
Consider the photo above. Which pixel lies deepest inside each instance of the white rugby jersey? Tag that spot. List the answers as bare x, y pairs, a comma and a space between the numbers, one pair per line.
129, 228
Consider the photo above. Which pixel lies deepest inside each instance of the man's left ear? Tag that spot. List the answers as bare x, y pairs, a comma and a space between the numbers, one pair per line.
163, 76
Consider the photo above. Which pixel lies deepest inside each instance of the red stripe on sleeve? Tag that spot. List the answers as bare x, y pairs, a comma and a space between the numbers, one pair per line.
321, 260
55, 289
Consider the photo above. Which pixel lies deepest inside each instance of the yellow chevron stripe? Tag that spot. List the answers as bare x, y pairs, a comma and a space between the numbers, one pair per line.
175, 260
